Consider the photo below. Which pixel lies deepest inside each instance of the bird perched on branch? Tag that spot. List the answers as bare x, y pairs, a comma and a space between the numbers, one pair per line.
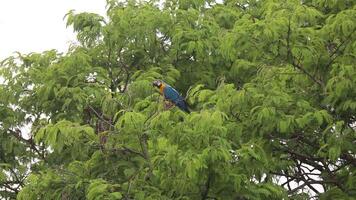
170, 94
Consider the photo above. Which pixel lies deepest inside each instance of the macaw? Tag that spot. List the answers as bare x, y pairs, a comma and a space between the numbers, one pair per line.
170, 94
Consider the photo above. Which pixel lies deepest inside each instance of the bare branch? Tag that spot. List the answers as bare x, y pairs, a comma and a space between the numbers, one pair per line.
297, 188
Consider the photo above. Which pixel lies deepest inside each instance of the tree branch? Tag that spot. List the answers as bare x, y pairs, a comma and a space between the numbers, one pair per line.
205, 191
101, 117
349, 159
297, 188
18, 135
145, 153
126, 82
301, 68
126, 150
337, 50
293, 59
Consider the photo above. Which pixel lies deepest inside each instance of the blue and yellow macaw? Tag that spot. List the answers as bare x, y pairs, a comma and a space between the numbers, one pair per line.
170, 94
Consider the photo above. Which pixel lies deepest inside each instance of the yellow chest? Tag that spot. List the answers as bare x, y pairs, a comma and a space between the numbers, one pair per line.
161, 88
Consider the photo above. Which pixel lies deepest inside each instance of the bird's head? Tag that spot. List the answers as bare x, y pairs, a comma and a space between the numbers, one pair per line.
157, 83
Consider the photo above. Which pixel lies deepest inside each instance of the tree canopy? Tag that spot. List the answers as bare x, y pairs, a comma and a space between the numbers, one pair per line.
271, 85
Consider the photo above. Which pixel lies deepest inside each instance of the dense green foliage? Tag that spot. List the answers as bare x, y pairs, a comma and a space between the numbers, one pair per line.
272, 87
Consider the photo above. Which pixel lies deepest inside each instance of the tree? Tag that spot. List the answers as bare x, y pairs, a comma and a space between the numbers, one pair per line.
271, 85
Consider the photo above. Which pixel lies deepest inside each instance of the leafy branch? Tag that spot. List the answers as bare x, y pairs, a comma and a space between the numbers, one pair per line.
296, 62
339, 49
18, 135
101, 116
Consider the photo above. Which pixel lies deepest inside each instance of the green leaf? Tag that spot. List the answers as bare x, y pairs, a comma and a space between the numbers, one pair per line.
334, 152
115, 195
283, 126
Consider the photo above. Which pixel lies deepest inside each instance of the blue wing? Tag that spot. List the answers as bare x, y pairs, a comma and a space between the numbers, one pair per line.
171, 94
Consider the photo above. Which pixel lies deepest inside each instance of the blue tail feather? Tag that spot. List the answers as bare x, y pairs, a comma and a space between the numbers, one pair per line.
182, 104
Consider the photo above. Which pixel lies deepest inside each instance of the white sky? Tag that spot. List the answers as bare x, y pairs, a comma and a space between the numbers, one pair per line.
38, 25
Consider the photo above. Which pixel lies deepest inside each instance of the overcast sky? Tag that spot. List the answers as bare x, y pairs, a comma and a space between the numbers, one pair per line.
38, 25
